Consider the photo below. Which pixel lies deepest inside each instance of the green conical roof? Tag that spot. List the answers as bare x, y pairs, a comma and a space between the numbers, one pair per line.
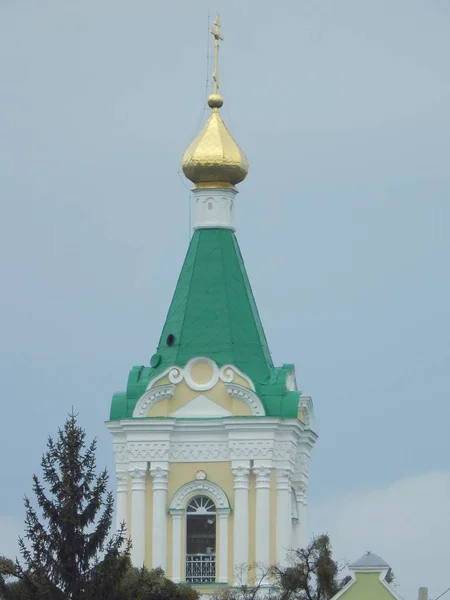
213, 313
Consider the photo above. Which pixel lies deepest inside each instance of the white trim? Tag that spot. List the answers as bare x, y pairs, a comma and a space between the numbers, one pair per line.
138, 476
227, 375
214, 208
201, 407
248, 396
241, 474
305, 404
223, 547
160, 477
183, 495
176, 545
151, 397
176, 374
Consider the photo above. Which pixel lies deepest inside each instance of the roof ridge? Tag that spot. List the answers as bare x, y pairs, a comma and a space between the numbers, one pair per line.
230, 320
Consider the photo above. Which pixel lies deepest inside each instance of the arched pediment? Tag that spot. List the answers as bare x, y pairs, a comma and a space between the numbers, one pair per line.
200, 374
185, 492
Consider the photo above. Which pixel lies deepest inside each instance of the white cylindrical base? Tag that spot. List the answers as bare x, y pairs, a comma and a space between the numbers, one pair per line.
262, 532
176, 547
284, 516
159, 522
241, 524
121, 498
214, 208
138, 477
223, 548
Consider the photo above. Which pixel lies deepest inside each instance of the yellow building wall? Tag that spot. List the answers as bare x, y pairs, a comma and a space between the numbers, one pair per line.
219, 473
368, 587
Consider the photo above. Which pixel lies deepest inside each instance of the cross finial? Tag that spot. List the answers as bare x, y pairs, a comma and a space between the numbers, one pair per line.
217, 36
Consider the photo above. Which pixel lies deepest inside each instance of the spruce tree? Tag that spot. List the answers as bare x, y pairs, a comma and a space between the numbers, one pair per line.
67, 551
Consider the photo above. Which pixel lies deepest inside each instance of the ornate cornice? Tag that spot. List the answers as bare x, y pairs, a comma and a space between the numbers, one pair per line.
199, 451
148, 450
250, 449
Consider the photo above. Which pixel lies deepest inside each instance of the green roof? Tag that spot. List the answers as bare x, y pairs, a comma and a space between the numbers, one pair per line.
213, 313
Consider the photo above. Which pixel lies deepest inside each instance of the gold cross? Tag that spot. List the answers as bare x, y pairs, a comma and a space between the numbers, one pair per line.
216, 33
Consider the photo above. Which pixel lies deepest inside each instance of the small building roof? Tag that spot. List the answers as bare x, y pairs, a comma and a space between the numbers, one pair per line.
369, 561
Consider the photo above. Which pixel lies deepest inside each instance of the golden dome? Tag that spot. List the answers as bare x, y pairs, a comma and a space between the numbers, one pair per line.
214, 159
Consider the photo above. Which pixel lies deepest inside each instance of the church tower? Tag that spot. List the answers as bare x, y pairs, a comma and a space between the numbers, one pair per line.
211, 440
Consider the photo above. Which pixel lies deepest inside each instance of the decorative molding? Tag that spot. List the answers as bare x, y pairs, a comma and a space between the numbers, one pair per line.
284, 479
227, 373
247, 396
186, 491
160, 477
138, 477
241, 476
177, 374
148, 450
251, 449
214, 208
122, 481
199, 451
262, 476
151, 397
284, 451
306, 406
291, 381
120, 452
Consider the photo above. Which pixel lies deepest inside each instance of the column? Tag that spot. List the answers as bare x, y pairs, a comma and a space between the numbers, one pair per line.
176, 545
121, 498
299, 530
160, 476
262, 530
241, 523
223, 548
284, 516
138, 476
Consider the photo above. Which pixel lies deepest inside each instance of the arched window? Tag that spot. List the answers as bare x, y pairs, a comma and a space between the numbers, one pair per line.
201, 540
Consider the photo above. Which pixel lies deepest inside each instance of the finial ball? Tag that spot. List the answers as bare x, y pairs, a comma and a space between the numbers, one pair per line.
215, 101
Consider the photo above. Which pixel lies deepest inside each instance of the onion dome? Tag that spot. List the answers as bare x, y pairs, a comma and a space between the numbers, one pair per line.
214, 159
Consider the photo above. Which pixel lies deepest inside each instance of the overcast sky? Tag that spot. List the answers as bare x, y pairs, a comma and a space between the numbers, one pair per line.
342, 107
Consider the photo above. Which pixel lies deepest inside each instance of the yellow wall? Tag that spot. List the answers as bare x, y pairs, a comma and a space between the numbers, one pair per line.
219, 473
179, 474
369, 587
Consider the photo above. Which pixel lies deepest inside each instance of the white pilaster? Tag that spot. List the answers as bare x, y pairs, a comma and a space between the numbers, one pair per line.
214, 208
121, 498
176, 545
223, 548
160, 476
284, 516
138, 477
241, 474
262, 530
299, 540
